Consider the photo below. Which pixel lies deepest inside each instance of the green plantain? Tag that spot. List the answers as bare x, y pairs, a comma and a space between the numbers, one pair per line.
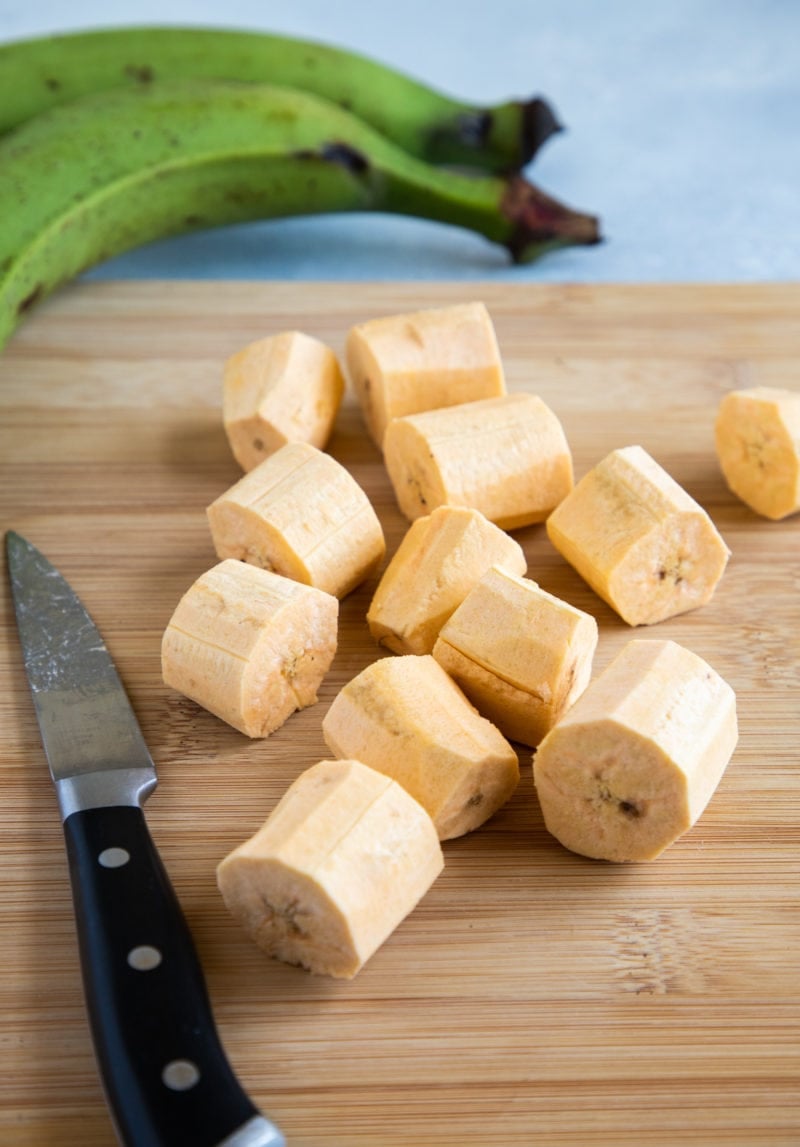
111, 171
40, 73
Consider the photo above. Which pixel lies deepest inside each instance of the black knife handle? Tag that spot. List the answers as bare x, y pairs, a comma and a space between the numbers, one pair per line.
166, 1076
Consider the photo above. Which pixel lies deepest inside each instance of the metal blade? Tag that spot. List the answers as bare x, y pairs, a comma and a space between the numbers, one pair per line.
85, 717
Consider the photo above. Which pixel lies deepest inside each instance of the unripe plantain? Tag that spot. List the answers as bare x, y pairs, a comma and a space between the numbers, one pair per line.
405, 717
301, 514
343, 857
37, 74
507, 457
757, 437
249, 645
521, 655
108, 172
284, 388
639, 539
439, 560
404, 364
634, 762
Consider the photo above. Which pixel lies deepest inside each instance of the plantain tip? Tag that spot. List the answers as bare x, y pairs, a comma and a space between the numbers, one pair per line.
538, 123
512, 132
539, 222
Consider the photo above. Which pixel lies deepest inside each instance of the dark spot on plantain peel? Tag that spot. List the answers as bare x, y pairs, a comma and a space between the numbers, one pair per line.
541, 223
512, 132
140, 73
342, 154
30, 300
474, 128
346, 156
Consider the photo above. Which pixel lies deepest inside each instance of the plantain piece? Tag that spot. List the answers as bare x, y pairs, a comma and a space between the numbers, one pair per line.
284, 388
635, 761
641, 542
343, 857
521, 655
507, 457
406, 718
37, 74
108, 172
757, 439
440, 559
301, 514
250, 646
404, 364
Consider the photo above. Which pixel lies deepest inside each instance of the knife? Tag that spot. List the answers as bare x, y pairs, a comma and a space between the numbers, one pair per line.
167, 1080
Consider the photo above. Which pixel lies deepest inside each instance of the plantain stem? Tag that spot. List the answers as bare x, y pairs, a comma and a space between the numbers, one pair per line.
512, 211
540, 222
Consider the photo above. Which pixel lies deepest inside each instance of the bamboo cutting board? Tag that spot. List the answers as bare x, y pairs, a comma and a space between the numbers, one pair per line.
534, 997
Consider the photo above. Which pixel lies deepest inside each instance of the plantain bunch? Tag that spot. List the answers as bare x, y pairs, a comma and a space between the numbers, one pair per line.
112, 138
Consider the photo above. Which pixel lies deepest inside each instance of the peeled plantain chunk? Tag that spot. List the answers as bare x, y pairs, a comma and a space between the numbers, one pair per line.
343, 857
634, 762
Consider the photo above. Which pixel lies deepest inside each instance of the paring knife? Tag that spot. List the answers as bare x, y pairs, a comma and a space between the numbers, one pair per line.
167, 1080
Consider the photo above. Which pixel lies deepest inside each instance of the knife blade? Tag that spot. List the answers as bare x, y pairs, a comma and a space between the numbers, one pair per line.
167, 1080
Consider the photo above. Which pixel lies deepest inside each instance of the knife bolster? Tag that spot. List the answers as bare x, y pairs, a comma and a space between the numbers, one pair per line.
113, 787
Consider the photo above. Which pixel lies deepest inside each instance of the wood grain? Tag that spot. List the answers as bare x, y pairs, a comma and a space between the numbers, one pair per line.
534, 998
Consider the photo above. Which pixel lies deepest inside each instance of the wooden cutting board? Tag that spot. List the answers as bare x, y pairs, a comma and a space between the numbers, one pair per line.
534, 997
